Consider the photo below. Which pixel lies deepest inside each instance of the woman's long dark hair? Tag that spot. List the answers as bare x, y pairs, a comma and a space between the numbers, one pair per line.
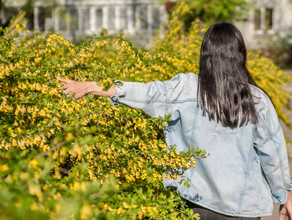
224, 80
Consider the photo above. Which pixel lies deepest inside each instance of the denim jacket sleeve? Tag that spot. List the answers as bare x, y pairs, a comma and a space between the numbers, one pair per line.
271, 148
152, 98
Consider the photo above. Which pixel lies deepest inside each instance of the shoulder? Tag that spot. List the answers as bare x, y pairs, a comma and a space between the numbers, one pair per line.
182, 86
262, 100
185, 77
266, 112
183, 80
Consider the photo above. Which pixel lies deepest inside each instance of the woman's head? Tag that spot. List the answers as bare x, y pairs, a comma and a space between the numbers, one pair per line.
224, 78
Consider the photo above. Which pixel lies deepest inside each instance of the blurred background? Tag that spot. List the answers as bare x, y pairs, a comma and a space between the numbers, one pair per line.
265, 24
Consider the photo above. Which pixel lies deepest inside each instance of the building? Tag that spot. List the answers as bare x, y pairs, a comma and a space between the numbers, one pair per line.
77, 19
268, 22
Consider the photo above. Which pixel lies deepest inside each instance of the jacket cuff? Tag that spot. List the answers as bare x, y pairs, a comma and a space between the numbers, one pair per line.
283, 198
121, 92
289, 184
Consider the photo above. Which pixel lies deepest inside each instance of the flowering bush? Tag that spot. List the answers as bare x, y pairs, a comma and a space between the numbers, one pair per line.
86, 159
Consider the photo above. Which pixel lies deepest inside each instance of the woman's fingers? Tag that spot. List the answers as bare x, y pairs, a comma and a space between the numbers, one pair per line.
78, 96
77, 93
65, 87
80, 93
289, 213
66, 80
282, 212
285, 212
288, 205
78, 88
68, 91
282, 217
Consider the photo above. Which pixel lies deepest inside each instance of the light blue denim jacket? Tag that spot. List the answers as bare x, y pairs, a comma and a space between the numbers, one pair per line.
247, 167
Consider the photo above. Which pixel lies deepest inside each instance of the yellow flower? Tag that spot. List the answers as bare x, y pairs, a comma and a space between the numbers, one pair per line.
24, 175
4, 168
85, 212
83, 187
33, 163
120, 211
69, 137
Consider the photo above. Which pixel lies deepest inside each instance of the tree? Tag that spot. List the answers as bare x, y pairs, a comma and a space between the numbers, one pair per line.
210, 11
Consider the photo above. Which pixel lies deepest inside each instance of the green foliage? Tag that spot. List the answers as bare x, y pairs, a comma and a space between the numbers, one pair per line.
210, 11
86, 159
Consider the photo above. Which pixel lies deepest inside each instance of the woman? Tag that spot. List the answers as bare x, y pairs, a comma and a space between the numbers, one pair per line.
223, 111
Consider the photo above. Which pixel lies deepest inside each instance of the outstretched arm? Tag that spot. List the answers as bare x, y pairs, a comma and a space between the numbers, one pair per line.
153, 98
80, 89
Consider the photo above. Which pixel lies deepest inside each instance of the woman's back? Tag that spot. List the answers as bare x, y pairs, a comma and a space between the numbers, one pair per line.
245, 163
230, 179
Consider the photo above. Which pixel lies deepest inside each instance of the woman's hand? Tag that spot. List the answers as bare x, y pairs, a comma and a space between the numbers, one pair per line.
80, 89
286, 209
